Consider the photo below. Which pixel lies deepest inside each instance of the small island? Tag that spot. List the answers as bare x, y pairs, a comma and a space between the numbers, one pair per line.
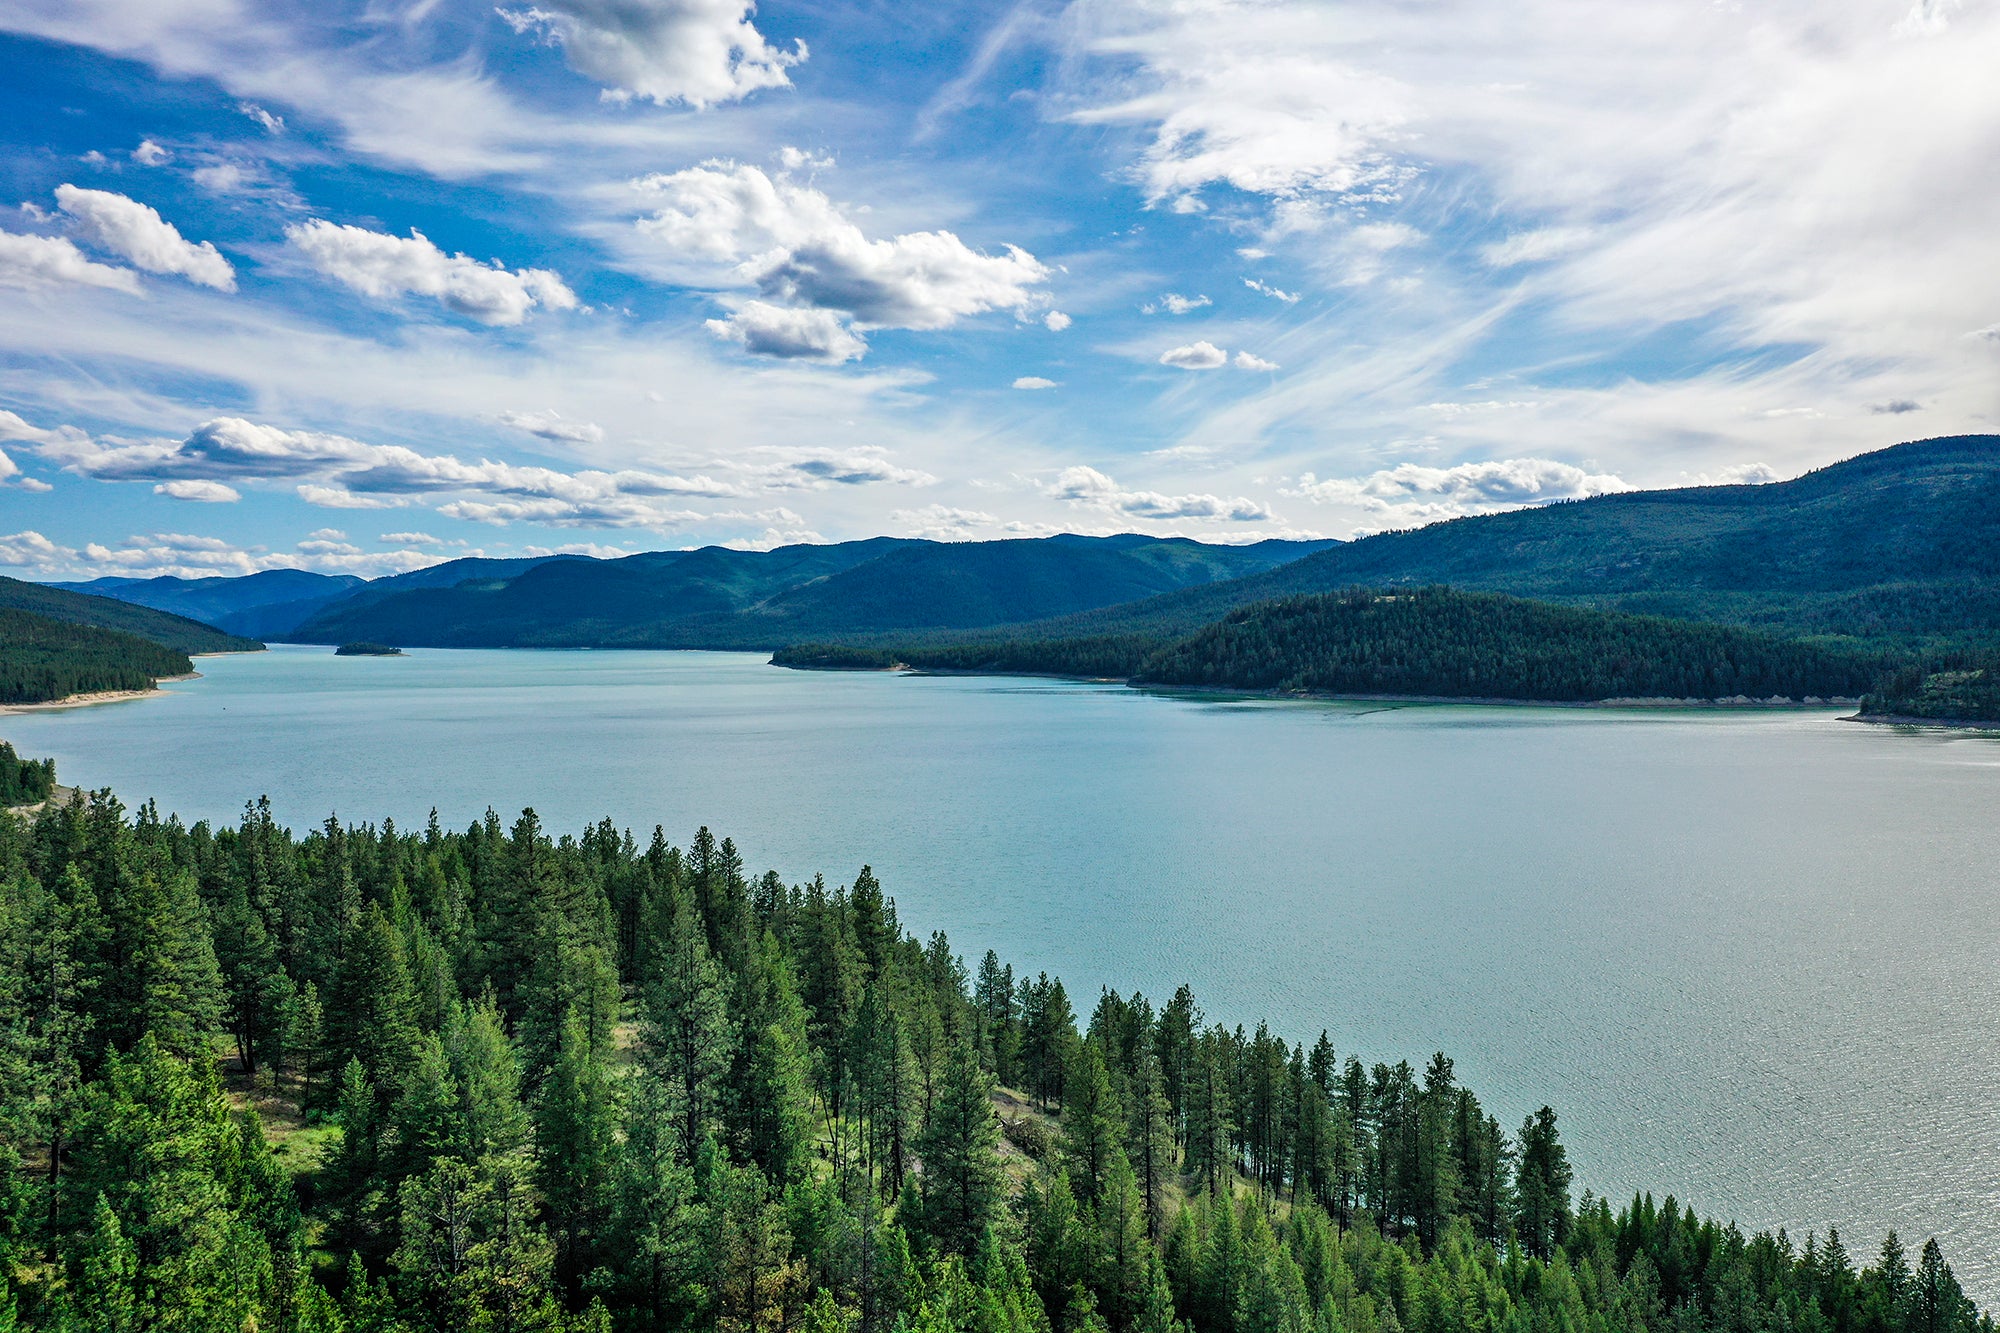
367, 650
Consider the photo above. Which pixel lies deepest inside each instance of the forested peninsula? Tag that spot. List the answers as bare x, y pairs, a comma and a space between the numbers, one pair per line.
371, 1080
1428, 642
44, 660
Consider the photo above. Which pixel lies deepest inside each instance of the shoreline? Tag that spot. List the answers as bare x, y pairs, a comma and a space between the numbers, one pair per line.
94, 697
1934, 723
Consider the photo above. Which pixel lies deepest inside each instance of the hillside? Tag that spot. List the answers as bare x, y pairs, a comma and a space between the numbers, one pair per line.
1446, 643
721, 598
75, 608
261, 605
42, 660
1899, 548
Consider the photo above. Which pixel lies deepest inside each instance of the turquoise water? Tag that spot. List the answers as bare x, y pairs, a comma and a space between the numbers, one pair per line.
1750, 957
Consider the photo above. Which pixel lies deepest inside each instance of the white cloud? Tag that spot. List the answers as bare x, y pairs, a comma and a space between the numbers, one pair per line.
383, 266
1533, 247
1034, 382
1248, 361
209, 492
819, 468
336, 472
1174, 304
1202, 355
30, 548
1991, 333
1741, 474
1055, 321
1089, 487
552, 427
137, 233
223, 178
52, 261
410, 539
1275, 293
149, 154
1412, 492
790, 333
273, 124
797, 248
942, 522
698, 52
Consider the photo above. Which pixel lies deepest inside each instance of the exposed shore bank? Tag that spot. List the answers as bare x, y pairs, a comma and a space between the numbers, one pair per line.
95, 697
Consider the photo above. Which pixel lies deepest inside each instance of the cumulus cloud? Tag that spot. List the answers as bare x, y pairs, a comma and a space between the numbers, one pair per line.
790, 333
1741, 474
1088, 487
942, 522
1895, 407
209, 492
820, 468
409, 539
1055, 321
697, 52
1034, 382
1249, 361
1414, 492
29, 548
1174, 304
1202, 355
137, 233
552, 427
1991, 333
150, 154
383, 266
42, 262
191, 555
801, 253
336, 472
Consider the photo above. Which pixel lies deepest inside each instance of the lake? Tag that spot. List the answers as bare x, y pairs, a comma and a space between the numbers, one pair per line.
1749, 956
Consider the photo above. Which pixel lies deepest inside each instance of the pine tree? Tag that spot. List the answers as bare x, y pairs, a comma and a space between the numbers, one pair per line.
1090, 1121
574, 1137
1541, 1213
960, 1194
688, 1039
107, 1274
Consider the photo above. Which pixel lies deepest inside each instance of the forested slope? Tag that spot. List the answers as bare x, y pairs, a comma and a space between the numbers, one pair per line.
1443, 642
580, 1084
43, 660
717, 597
75, 608
1899, 548
265, 603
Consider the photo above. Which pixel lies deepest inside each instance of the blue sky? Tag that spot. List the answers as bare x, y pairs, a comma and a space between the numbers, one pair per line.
366, 284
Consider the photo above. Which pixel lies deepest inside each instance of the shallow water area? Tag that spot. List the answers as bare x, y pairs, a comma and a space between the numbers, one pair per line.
1748, 955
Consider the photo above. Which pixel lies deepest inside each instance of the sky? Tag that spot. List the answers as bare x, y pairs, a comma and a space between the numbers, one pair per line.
362, 285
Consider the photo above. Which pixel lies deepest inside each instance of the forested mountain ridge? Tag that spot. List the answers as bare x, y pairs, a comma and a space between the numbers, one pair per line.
1428, 642
171, 631
255, 605
1442, 642
574, 1085
717, 597
43, 660
1899, 547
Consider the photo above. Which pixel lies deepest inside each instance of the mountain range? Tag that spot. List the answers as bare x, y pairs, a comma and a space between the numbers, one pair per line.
1896, 548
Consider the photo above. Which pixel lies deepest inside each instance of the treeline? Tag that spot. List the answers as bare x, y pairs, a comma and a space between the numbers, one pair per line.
43, 659
1111, 655
583, 1083
1969, 693
1430, 641
1441, 641
25, 781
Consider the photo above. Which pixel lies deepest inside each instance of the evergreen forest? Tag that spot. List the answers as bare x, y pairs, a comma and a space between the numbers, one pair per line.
42, 659
1428, 641
372, 1079
25, 781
